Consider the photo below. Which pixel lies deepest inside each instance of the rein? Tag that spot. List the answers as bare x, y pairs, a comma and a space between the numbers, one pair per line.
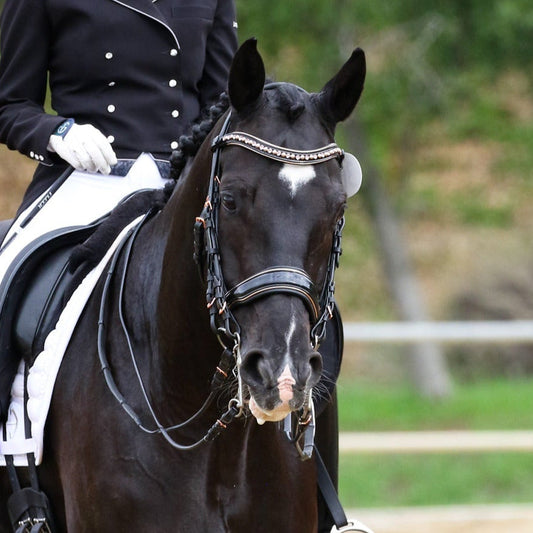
222, 370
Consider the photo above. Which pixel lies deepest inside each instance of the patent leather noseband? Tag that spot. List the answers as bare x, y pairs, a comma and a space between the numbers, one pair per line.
286, 280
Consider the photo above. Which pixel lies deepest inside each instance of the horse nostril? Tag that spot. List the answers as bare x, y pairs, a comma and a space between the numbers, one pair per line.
310, 369
315, 362
254, 367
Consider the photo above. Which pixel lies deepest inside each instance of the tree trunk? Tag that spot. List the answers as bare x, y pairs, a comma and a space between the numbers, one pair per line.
428, 365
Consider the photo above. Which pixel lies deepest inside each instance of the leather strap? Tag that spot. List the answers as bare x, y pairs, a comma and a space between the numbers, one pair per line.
332, 500
329, 492
276, 280
279, 153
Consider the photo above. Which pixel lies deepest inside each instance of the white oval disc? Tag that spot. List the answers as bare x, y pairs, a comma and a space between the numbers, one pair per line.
352, 175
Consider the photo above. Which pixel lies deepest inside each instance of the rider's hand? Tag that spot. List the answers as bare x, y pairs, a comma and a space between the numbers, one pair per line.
83, 147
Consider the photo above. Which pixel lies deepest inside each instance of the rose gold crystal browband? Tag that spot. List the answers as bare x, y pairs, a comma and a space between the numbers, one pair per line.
279, 153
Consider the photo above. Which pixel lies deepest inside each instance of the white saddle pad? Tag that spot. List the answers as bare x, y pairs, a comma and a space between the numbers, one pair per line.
82, 199
42, 374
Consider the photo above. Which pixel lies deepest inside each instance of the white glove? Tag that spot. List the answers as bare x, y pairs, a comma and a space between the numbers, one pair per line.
85, 148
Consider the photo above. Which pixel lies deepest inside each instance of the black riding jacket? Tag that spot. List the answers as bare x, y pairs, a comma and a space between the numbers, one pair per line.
138, 70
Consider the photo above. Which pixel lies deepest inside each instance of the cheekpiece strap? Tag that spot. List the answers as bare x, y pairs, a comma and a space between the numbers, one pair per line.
279, 153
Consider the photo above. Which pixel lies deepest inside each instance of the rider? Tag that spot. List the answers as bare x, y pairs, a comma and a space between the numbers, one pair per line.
125, 77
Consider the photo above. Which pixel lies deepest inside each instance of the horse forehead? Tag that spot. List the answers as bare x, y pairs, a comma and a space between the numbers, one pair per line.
296, 176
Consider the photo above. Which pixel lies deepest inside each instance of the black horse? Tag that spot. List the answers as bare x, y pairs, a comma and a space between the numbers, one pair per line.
266, 232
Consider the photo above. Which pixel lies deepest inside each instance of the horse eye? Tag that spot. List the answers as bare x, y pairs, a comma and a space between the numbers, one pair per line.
228, 201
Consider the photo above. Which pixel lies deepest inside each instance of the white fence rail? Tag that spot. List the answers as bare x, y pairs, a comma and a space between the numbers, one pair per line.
502, 332
505, 332
449, 441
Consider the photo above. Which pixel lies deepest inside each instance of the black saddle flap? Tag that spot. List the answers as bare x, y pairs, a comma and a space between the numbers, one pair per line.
42, 303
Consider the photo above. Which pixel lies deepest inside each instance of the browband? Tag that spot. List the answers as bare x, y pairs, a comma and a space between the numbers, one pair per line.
279, 153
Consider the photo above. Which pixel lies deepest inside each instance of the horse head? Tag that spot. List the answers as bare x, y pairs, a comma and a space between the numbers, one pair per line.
282, 187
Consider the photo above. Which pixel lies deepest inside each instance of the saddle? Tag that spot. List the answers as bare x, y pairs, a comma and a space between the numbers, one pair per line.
32, 294
39, 282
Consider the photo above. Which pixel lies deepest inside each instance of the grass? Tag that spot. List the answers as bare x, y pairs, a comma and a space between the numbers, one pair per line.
492, 404
368, 480
406, 480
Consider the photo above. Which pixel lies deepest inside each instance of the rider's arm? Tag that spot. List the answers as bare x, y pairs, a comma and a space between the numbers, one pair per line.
24, 48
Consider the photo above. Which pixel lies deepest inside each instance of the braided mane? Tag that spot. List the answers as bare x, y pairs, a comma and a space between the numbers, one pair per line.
190, 144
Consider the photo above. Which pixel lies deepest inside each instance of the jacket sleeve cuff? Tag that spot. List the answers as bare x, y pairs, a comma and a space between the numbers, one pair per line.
39, 151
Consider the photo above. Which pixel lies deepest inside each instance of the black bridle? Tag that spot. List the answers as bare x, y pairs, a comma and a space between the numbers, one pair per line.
276, 279
220, 301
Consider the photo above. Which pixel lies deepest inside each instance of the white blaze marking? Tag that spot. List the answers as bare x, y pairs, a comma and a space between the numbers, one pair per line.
289, 335
286, 380
296, 175
285, 383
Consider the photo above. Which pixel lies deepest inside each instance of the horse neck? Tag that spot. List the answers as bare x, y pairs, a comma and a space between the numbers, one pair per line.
178, 326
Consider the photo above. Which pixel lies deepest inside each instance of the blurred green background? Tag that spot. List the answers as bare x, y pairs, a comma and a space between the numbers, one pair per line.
447, 115
447, 120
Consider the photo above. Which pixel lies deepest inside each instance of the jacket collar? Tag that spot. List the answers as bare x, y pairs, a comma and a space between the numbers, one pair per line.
149, 9
145, 7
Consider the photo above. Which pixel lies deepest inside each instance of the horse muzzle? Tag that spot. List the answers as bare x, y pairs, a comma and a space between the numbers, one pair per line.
271, 398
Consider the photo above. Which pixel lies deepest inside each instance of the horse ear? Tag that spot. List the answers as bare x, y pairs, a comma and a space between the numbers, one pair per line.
340, 95
246, 76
